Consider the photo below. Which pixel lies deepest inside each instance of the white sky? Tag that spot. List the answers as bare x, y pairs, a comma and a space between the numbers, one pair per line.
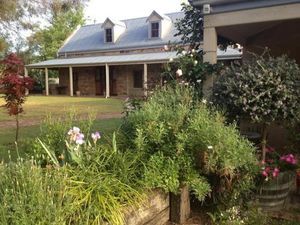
99, 10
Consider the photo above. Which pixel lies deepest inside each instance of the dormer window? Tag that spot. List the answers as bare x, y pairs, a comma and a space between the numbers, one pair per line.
113, 30
154, 29
108, 35
159, 25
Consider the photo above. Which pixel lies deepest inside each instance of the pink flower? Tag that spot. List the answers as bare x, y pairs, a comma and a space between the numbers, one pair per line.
264, 173
275, 172
290, 158
95, 136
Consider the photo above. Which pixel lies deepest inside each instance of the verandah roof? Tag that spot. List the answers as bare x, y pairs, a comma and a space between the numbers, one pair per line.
102, 60
157, 57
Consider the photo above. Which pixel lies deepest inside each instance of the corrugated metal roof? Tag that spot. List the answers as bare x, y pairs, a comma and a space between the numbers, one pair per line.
101, 60
91, 37
125, 59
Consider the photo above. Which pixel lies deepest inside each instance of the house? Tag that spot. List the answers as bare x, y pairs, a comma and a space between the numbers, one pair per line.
253, 24
116, 57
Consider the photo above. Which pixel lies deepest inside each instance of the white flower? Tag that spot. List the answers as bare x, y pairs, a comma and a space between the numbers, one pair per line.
186, 84
195, 62
166, 48
79, 141
171, 60
199, 81
204, 101
193, 50
210, 147
179, 72
74, 131
183, 52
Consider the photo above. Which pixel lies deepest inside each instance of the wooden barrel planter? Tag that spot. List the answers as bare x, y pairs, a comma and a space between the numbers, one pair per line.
274, 193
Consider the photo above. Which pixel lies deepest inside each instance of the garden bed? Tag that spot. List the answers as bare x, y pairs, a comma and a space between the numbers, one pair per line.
155, 211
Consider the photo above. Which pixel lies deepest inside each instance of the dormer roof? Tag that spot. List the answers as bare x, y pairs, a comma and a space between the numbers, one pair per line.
159, 15
113, 23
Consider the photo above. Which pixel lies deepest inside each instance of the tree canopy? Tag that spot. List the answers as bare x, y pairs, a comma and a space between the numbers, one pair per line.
34, 17
45, 42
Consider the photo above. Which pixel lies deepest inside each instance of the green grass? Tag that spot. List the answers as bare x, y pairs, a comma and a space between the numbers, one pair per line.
37, 107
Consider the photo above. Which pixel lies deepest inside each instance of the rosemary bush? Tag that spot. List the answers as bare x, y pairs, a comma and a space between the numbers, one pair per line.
183, 141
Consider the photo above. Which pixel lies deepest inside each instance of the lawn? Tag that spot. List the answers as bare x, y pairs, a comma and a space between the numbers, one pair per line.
38, 107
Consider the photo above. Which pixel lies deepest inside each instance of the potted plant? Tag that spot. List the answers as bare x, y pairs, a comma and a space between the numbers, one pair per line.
277, 176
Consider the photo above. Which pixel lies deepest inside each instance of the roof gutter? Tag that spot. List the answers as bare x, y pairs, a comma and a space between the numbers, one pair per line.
200, 3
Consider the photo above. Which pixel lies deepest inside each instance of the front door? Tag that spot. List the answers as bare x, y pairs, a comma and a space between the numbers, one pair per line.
100, 80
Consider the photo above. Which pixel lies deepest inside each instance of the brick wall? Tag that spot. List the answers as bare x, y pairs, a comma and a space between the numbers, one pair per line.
64, 80
86, 80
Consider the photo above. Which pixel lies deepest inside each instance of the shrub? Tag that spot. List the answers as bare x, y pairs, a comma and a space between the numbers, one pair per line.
264, 89
182, 141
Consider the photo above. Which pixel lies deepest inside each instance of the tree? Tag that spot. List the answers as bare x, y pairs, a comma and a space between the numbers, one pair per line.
14, 85
65, 17
264, 89
190, 28
18, 16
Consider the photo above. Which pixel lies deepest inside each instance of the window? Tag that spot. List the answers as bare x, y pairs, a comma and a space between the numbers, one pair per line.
108, 35
138, 79
155, 30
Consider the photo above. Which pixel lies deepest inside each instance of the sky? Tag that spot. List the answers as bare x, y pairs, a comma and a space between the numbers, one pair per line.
99, 10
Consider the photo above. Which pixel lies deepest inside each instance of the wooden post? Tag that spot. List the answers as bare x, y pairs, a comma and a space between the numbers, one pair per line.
145, 78
180, 208
26, 75
107, 80
46, 81
71, 81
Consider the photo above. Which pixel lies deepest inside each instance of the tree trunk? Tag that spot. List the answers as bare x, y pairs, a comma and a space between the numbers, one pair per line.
17, 128
264, 141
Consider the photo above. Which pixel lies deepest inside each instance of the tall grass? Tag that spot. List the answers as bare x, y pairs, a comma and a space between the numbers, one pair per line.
32, 195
